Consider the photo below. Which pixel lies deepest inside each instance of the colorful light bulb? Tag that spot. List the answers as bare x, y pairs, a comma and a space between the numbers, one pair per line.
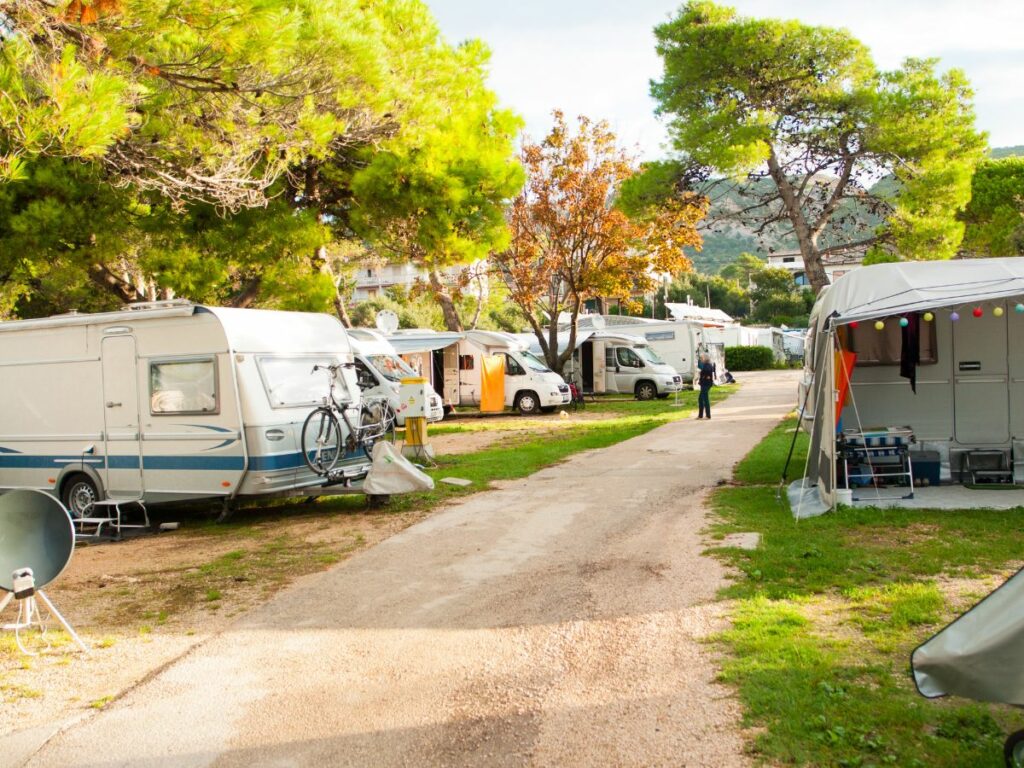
928, 317
879, 325
904, 322
978, 312
954, 316
998, 311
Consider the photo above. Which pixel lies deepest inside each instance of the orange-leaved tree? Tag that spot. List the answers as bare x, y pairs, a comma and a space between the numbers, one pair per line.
569, 241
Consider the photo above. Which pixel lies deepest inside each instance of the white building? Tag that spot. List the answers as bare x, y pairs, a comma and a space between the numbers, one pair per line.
373, 278
836, 264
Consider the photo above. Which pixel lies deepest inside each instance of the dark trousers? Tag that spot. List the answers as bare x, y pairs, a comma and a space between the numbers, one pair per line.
704, 401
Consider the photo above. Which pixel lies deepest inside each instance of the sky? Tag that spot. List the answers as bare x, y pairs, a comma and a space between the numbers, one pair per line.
596, 57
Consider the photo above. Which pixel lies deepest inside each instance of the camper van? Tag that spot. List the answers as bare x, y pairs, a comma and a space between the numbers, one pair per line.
679, 343
607, 361
524, 381
426, 351
379, 372
168, 401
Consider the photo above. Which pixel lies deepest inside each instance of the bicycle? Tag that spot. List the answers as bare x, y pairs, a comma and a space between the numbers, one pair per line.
323, 442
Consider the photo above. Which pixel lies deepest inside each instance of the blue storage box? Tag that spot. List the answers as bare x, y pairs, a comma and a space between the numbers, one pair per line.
926, 465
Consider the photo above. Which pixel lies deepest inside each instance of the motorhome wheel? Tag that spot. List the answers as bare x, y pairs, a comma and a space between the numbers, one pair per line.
645, 390
79, 492
528, 403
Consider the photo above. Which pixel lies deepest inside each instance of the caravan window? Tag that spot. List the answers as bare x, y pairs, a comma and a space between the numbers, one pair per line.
874, 347
183, 386
290, 381
512, 367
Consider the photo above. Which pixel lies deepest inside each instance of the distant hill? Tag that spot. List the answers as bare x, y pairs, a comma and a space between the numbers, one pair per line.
725, 240
1001, 152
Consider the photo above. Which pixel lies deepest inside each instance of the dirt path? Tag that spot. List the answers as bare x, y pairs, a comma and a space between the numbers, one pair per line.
557, 621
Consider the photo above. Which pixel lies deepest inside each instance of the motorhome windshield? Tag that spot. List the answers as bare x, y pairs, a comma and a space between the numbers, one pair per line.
391, 367
290, 381
533, 362
649, 355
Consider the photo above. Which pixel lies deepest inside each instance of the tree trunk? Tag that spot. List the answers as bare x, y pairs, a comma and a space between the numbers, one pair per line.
342, 311
805, 236
451, 313
248, 294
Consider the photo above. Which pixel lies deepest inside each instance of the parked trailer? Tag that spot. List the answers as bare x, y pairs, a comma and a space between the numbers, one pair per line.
167, 402
379, 372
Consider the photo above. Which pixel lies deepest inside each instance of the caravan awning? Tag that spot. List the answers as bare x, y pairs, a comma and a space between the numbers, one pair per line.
408, 344
915, 286
563, 341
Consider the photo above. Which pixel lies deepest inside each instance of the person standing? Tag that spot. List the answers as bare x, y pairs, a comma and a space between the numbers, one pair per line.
706, 380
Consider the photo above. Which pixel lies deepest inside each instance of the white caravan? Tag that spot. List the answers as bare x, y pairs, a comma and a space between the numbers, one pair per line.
379, 372
168, 401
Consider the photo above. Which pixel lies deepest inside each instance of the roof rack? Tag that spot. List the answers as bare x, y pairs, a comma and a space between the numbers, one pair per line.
164, 304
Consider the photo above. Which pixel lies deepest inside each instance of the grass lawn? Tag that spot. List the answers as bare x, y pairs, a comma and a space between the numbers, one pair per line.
827, 611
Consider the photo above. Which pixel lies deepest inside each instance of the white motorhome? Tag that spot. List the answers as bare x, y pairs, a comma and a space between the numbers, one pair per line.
529, 385
454, 363
679, 343
379, 372
168, 401
611, 361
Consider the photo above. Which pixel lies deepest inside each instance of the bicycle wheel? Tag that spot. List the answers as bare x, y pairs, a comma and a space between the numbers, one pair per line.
322, 443
377, 420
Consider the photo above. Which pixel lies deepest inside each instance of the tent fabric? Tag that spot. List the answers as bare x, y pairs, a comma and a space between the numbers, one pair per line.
408, 344
980, 655
885, 290
492, 383
844, 365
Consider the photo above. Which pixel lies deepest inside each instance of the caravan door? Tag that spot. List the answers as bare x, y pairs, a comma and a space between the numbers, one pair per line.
981, 391
451, 374
600, 367
121, 417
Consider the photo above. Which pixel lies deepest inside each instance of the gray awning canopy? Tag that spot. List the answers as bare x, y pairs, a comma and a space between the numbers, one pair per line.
563, 341
407, 344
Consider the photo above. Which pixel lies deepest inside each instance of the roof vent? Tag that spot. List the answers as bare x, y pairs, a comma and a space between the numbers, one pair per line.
164, 304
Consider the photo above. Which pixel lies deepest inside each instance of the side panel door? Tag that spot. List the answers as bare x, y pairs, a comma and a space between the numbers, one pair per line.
121, 432
982, 391
451, 374
600, 368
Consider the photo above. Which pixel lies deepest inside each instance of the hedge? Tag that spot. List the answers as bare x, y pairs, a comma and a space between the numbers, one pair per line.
748, 358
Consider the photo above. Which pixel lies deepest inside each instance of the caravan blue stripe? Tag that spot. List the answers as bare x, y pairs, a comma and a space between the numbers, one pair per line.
198, 463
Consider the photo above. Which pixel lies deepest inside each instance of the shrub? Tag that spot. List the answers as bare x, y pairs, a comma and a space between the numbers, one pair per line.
748, 358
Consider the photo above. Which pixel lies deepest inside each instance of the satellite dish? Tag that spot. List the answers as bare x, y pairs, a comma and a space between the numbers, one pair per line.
387, 321
35, 532
597, 322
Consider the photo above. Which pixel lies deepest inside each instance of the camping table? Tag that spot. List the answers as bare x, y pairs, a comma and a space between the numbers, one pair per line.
891, 444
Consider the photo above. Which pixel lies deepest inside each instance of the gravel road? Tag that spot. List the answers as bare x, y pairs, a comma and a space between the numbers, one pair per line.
556, 621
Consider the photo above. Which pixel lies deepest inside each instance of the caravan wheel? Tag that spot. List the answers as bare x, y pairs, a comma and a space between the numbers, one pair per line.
78, 494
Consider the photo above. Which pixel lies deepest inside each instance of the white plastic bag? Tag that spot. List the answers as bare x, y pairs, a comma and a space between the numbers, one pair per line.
391, 473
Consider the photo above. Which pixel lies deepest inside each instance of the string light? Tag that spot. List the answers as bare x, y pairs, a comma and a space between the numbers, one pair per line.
928, 317
954, 316
978, 312
879, 325
904, 322
998, 311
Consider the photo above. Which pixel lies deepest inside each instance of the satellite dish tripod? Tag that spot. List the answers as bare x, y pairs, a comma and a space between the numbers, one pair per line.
27, 597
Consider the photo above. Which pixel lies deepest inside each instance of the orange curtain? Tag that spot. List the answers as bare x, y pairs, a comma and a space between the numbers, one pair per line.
492, 383
844, 371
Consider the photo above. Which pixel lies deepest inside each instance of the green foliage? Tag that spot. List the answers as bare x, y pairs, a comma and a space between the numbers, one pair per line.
995, 215
748, 358
802, 113
232, 151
